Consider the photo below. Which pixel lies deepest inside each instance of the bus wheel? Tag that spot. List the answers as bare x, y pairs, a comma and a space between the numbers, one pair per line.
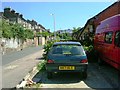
100, 61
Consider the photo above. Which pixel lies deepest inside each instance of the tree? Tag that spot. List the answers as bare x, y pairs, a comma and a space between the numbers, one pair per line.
15, 30
75, 33
6, 30
66, 36
76, 29
30, 34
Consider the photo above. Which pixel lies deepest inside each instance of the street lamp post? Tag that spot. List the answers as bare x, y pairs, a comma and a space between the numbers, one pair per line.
54, 25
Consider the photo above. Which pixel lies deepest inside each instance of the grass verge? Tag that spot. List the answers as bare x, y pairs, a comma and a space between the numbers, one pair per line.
41, 66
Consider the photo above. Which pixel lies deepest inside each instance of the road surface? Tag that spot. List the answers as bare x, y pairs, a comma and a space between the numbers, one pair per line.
14, 70
10, 57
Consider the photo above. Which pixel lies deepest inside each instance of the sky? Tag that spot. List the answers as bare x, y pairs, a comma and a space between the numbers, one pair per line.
67, 14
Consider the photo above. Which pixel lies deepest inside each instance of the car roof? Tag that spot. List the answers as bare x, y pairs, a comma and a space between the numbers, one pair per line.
60, 43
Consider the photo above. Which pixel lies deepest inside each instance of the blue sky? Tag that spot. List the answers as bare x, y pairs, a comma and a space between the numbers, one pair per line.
67, 14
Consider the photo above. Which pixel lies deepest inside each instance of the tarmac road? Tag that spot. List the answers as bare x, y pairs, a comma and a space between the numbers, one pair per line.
10, 57
14, 70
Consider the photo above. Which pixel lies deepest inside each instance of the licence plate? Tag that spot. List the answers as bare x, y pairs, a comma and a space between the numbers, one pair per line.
66, 68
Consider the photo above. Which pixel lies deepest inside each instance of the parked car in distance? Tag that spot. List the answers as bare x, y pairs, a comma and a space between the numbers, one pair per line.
107, 41
66, 57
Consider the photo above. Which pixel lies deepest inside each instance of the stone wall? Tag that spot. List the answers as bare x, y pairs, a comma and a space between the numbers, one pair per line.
11, 45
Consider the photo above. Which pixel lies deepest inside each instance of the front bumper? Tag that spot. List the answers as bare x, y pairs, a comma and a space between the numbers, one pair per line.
55, 67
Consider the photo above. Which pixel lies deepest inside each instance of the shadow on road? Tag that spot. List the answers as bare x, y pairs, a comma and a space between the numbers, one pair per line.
63, 78
104, 76
98, 77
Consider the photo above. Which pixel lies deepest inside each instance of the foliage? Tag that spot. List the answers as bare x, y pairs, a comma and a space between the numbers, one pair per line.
0, 27
91, 55
47, 48
88, 39
89, 48
10, 30
44, 34
75, 33
6, 30
65, 36
29, 34
14, 30
41, 66
76, 29
52, 34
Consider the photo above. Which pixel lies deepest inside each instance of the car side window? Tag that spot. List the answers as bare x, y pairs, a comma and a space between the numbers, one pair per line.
108, 37
117, 39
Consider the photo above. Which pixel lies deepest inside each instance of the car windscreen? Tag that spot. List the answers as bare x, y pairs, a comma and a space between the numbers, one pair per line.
67, 49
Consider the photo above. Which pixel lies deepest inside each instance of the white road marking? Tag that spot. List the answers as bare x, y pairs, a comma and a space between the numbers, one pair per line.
11, 67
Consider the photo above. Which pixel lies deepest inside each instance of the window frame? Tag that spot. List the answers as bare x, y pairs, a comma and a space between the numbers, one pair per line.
117, 44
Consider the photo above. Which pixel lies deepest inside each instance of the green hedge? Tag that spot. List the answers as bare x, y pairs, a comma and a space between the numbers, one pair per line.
47, 48
91, 55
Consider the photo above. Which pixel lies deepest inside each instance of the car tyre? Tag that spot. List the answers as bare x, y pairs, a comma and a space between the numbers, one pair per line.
49, 75
84, 75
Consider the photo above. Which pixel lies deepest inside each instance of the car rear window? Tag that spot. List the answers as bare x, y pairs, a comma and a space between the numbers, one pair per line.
67, 49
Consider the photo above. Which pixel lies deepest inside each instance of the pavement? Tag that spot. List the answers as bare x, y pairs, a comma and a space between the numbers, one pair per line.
16, 65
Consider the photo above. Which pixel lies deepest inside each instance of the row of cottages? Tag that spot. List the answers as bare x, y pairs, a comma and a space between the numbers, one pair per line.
12, 17
88, 30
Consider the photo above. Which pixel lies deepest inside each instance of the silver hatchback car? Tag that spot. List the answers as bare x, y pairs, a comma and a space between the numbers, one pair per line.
66, 57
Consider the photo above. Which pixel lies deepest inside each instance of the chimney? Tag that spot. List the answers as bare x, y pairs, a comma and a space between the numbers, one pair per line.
32, 20
13, 11
17, 14
21, 15
6, 9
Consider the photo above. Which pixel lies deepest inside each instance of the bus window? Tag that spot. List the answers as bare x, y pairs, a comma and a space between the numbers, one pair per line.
108, 37
117, 39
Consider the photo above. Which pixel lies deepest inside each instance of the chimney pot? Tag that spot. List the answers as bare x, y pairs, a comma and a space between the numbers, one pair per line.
13, 11
17, 13
21, 15
6, 8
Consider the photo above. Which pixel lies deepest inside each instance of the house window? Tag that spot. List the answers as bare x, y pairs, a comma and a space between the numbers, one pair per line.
117, 39
108, 37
